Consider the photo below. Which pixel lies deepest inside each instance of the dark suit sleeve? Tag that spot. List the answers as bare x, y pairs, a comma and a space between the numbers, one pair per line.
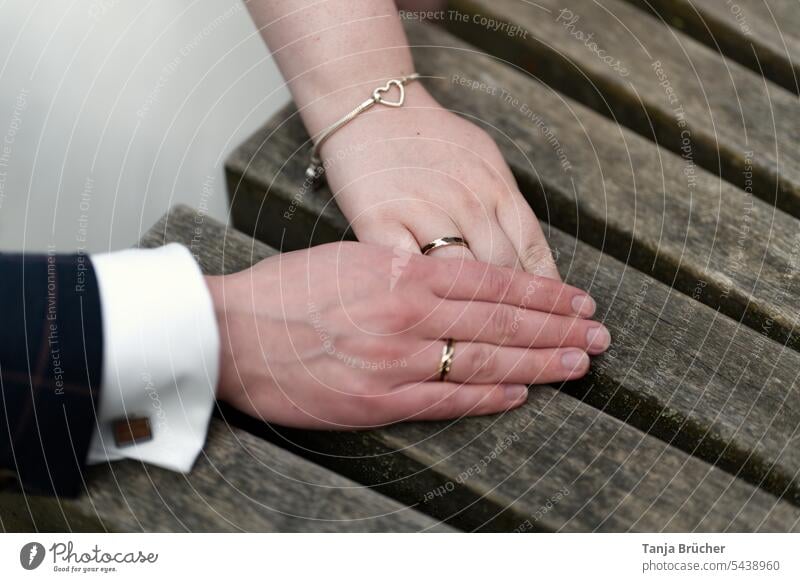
50, 368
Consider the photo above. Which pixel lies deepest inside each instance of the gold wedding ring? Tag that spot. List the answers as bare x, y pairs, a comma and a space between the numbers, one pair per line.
445, 241
447, 359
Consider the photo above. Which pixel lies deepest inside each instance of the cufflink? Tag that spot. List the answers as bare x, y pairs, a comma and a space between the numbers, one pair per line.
131, 431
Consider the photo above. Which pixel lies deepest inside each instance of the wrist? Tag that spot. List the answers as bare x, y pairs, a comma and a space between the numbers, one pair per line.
380, 121
216, 285
336, 98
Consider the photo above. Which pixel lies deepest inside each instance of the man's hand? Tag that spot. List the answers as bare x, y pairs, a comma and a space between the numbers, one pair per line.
350, 335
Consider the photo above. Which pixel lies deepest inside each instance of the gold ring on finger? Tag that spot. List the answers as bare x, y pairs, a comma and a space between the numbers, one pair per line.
447, 359
445, 241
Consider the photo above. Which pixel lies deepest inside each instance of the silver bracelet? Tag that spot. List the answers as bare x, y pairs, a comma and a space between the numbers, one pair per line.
315, 168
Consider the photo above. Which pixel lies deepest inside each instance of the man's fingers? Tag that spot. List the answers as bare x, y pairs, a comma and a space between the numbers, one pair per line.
445, 400
523, 230
480, 282
481, 363
501, 324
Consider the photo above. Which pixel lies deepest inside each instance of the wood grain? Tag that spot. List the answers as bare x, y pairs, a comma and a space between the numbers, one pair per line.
736, 123
760, 34
239, 483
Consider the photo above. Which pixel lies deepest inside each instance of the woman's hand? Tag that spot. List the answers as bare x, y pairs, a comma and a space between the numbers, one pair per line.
406, 176
403, 176
350, 335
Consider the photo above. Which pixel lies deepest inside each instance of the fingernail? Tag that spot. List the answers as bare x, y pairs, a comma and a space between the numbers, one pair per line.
583, 305
515, 392
598, 339
574, 360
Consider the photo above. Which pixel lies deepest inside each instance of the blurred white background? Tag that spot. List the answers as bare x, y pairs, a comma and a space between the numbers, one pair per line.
113, 110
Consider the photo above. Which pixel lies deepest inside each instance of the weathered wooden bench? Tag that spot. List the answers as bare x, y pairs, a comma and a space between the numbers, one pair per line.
677, 210
691, 248
556, 464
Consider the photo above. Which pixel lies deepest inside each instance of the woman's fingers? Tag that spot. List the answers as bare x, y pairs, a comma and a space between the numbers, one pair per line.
481, 282
502, 324
387, 233
523, 230
445, 400
481, 363
490, 244
452, 252
436, 225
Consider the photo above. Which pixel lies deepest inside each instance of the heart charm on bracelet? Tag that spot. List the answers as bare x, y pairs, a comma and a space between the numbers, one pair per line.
377, 94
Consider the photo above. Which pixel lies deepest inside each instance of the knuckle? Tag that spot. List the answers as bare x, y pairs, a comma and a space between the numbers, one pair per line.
359, 388
359, 408
417, 268
447, 406
506, 257
399, 315
470, 200
568, 331
503, 322
483, 362
506, 194
493, 166
545, 294
376, 409
487, 145
364, 400
534, 258
365, 354
472, 203
498, 282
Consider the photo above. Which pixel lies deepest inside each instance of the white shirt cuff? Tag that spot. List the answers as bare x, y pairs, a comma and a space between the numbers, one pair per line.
160, 354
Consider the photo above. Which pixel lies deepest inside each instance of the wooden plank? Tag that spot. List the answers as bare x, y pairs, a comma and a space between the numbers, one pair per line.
240, 483
556, 464
665, 85
760, 34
